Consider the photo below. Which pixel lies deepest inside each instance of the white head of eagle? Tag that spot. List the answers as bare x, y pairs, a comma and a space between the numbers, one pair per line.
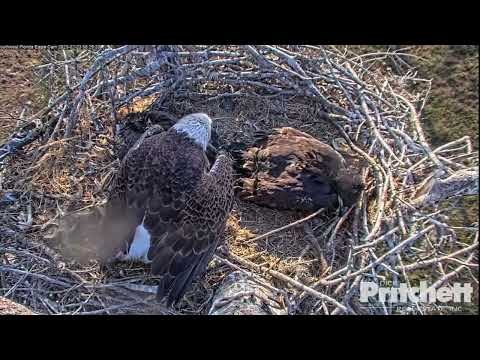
197, 126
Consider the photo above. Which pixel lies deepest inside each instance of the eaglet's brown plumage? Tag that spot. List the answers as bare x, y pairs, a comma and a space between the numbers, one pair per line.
134, 124
167, 207
290, 170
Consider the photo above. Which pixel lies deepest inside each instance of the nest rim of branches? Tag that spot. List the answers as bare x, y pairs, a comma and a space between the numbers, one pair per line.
61, 159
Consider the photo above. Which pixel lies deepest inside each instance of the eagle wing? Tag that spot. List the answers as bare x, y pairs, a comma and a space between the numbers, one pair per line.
183, 248
166, 186
125, 208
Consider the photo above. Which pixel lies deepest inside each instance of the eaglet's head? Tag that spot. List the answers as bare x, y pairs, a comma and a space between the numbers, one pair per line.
196, 126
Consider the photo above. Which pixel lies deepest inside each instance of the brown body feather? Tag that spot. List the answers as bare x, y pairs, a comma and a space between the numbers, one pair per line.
164, 182
291, 170
133, 125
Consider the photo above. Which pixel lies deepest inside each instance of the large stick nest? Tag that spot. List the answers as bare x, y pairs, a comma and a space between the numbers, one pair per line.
61, 160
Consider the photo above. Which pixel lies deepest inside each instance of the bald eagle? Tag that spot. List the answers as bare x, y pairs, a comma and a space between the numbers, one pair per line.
167, 207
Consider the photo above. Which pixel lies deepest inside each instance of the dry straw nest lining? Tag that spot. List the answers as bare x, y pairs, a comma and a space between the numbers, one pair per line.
62, 160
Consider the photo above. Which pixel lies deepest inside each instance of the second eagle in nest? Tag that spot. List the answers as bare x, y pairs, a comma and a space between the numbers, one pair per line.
287, 169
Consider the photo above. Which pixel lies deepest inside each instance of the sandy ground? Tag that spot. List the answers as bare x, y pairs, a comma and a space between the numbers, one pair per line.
8, 307
17, 90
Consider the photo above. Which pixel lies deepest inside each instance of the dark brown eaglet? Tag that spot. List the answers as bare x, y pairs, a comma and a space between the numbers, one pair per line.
287, 169
131, 127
